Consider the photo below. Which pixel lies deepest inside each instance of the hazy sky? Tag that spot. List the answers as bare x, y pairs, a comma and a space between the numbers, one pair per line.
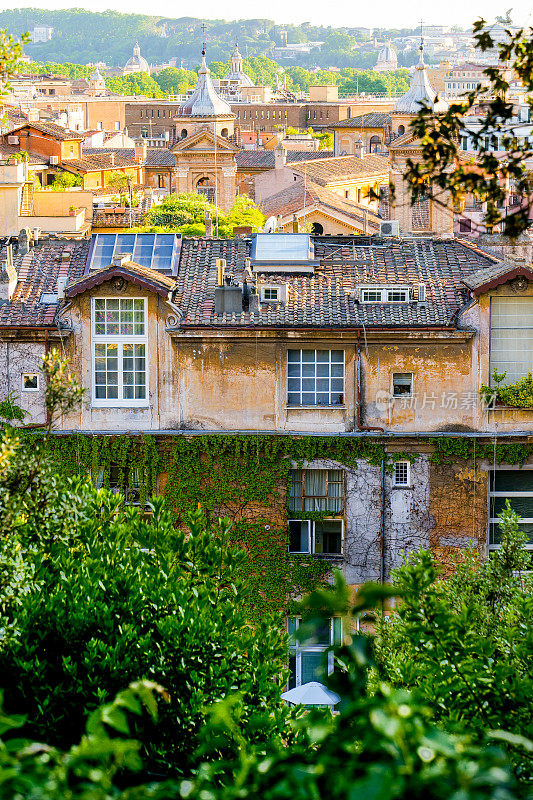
388, 13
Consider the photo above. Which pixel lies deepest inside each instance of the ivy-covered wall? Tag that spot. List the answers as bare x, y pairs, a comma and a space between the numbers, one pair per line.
245, 477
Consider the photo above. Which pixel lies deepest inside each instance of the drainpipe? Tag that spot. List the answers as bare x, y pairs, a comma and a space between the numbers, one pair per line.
382, 526
357, 368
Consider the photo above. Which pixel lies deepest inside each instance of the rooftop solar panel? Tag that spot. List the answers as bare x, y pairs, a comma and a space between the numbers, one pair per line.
154, 250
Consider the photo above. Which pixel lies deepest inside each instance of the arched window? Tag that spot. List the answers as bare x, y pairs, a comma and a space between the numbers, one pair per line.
184, 133
317, 228
375, 142
206, 186
401, 130
224, 133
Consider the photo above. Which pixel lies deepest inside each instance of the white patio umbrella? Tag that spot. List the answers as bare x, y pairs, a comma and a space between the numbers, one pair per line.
311, 694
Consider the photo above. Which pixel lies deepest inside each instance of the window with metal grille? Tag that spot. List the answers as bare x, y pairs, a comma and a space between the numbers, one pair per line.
308, 660
401, 474
315, 377
515, 485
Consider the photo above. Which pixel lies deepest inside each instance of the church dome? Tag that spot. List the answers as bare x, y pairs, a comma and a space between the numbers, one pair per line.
420, 92
204, 101
387, 55
236, 72
136, 63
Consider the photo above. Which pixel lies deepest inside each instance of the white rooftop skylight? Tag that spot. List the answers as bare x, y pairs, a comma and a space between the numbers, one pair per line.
282, 252
154, 250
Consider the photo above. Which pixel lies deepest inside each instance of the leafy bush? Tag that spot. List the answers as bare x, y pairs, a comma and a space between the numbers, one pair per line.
95, 595
465, 643
383, 744
517, 395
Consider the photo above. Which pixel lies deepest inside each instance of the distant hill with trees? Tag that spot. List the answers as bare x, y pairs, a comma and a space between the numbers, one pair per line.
83, 36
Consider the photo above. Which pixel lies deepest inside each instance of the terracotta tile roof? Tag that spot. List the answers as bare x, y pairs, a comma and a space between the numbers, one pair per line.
145, 277
344, 168
375, 119
327, 297
496, 275
291, 200
95, 158
7, 150
264, 159
51, 129
38, 272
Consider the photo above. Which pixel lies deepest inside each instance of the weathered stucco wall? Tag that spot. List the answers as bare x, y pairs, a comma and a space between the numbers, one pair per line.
17, 358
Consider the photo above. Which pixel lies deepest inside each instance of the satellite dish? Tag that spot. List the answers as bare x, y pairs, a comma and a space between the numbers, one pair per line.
271, 225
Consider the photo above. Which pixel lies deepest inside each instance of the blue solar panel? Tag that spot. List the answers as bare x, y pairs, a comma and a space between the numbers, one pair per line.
153, 250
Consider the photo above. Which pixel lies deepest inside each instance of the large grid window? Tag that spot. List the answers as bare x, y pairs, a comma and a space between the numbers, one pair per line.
511, 336
315, 377
119, 351
385, 294
516, 485
307, 659
313, 490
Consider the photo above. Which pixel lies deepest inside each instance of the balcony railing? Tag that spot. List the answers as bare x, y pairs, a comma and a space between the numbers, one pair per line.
117, 217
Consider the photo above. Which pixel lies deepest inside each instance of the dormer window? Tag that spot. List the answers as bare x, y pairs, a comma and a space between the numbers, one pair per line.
270, 294
384, 294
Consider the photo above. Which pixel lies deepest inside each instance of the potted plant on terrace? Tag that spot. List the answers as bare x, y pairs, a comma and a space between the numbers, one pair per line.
511, 395
72, 210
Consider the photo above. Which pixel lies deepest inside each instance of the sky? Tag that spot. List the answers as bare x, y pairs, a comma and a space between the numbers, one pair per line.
389, 13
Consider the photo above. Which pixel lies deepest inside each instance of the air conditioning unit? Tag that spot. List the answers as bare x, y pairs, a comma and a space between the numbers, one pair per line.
54, 161
13, 139
389, 228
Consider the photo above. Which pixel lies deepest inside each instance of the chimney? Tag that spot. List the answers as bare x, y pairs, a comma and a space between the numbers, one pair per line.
140, 151
119, 259
295, 225
280, 157
112, 159
358, 148
208, 224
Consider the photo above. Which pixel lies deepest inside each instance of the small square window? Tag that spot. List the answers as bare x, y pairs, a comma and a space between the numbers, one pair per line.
402, 474
30, 381
402, 384
270, 294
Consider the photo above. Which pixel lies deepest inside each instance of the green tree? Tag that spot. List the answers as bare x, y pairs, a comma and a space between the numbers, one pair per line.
447, 173
382, 745
95, 595
65, 180
460, 641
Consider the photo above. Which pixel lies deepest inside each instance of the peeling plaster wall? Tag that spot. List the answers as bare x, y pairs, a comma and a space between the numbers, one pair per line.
15, 359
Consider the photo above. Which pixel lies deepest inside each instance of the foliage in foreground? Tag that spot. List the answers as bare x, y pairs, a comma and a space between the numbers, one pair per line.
382, 745
448, 172
466, 643
94, 596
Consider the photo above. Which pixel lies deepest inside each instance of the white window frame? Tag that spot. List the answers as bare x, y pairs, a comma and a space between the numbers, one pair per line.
120, 402
26, 388
316, 378
296, 649
493, 520
311, 534
266, 289
411, 392
383, 294
407, 483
